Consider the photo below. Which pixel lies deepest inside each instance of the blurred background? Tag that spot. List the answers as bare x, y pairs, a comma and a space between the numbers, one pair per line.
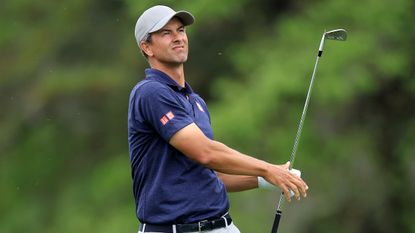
67, 68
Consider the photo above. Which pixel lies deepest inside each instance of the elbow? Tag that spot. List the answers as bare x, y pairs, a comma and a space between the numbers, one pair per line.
207, 156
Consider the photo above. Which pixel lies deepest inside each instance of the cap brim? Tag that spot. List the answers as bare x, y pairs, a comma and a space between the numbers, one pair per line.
184, 16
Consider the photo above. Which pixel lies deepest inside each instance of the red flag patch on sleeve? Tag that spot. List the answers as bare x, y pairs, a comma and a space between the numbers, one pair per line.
164, 120
167, 117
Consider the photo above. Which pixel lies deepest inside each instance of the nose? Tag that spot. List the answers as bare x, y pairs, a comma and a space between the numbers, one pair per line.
178, 36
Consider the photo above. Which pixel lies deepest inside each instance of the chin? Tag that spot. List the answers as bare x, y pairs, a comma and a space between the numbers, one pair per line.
175, 60
182, 59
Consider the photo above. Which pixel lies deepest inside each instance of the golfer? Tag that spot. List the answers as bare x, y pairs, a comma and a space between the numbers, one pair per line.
181, 175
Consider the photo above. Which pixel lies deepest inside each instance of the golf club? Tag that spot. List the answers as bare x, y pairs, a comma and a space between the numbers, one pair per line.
339, 35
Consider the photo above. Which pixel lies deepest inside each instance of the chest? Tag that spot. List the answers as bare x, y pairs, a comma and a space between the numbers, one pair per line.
197, 110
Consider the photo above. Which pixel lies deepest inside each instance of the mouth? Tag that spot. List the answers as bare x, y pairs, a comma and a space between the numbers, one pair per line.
178, 47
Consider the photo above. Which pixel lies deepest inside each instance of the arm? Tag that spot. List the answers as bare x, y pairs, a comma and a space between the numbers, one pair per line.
237, 183
191, 141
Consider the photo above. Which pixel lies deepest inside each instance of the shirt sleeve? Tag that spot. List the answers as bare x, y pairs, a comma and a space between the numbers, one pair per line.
158, 106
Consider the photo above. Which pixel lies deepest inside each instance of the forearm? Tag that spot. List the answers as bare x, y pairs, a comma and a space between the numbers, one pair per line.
221, 158
215, 155
236, 183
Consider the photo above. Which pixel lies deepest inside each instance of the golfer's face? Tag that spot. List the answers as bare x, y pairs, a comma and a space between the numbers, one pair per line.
170, 44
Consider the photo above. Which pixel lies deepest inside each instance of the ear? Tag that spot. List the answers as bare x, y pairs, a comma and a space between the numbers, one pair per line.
146, 48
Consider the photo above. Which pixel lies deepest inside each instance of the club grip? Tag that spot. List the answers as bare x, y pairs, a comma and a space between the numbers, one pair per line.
277, 218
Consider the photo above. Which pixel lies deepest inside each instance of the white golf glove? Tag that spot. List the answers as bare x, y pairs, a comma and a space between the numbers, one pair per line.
263, 184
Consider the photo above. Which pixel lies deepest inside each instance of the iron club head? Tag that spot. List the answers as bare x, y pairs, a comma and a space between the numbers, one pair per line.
336, 34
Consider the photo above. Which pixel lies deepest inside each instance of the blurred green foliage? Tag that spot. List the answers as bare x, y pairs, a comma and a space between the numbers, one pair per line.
67, 69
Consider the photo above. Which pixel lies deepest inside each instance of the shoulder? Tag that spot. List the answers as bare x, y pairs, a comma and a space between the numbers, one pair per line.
148, 88
200, 99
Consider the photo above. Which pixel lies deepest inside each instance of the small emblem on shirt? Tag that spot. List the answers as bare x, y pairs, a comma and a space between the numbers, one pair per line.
199, 107
166, 118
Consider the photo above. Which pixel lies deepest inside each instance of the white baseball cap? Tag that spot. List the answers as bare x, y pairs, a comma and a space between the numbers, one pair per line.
156, 17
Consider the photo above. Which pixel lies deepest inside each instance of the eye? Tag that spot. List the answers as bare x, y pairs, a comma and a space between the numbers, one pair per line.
182, 30
165, 33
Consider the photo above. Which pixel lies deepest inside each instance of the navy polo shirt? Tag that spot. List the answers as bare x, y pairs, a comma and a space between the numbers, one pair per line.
168, 187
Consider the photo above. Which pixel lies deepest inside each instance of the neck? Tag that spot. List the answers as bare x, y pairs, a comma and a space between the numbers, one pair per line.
175, 71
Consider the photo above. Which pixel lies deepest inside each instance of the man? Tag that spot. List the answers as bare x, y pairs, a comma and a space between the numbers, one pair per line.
180, 174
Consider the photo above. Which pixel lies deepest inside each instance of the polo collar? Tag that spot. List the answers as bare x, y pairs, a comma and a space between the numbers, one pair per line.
159, 76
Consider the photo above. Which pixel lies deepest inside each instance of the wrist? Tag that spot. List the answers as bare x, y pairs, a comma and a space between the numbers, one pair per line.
267, 173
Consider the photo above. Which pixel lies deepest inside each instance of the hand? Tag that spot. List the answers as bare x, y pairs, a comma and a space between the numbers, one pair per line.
263, 184
280, 176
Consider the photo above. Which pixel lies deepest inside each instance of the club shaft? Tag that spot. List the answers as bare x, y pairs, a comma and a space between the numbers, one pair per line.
278, 213
303, 115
